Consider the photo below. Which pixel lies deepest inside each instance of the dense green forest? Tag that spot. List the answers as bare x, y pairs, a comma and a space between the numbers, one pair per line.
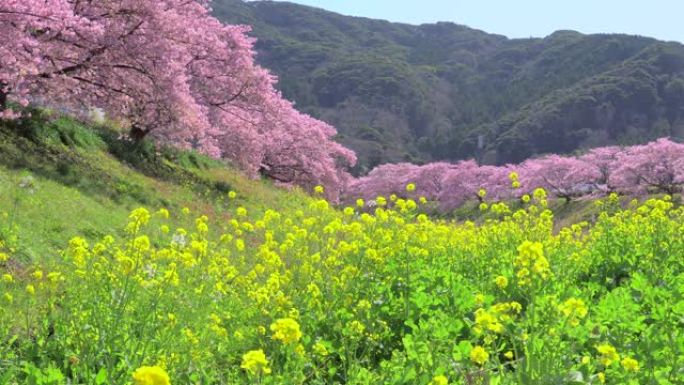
399, 92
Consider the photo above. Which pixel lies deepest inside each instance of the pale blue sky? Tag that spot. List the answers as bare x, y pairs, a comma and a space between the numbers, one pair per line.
662, 19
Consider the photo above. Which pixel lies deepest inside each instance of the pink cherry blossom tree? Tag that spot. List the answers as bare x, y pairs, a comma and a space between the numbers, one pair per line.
429, 179
24, 26
657, 166
653, 167
174, 73
467, 180
497, 183
604, 160
563, 177
301, 152
461, 183
383, 180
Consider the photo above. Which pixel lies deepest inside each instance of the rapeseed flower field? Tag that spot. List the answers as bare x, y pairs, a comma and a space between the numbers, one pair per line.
378, 294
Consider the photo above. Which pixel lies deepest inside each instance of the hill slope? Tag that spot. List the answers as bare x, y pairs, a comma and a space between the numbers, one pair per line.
400, 92
60, 178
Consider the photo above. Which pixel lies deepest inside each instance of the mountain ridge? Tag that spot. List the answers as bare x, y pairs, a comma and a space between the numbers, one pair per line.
419, 93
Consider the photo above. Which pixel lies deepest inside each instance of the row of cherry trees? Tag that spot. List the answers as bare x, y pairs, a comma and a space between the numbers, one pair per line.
654, 167
172, 72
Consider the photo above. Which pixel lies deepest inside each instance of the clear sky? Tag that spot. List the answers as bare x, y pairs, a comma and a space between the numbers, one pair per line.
662, 19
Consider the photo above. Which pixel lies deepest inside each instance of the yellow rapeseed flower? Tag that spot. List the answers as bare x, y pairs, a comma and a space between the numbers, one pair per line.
55, 276
539, 194
439, 380
630, 364
164, 213
127, 264
232, 194
286, 330
138, 218
608, 354
7, 278
479, 355
320, 349
151, 375
356, 327
190, 336
141, 215
319, 189
255, 362
602, 377
531, 260
241, 212
574, 309
141, 243
487, 321
410, 187
501, 281
240, 244
30, 289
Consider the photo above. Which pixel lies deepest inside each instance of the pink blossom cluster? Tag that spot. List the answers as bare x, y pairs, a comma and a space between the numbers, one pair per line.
656, 167
171, 71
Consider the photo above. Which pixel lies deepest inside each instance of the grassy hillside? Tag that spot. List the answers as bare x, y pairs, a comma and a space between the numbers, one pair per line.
60, 178
399, 92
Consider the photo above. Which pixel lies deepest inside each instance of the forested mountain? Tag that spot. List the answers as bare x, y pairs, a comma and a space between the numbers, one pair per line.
399, 92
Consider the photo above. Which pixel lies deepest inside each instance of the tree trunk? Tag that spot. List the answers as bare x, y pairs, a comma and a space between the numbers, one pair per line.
3, 97
137, 133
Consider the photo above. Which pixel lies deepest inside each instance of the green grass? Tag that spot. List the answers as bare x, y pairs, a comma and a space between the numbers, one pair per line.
84, 180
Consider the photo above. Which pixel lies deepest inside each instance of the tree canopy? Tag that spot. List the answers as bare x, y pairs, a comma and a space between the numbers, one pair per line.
171, 71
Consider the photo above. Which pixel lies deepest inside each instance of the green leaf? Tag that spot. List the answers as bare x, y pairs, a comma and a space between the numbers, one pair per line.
101, 377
